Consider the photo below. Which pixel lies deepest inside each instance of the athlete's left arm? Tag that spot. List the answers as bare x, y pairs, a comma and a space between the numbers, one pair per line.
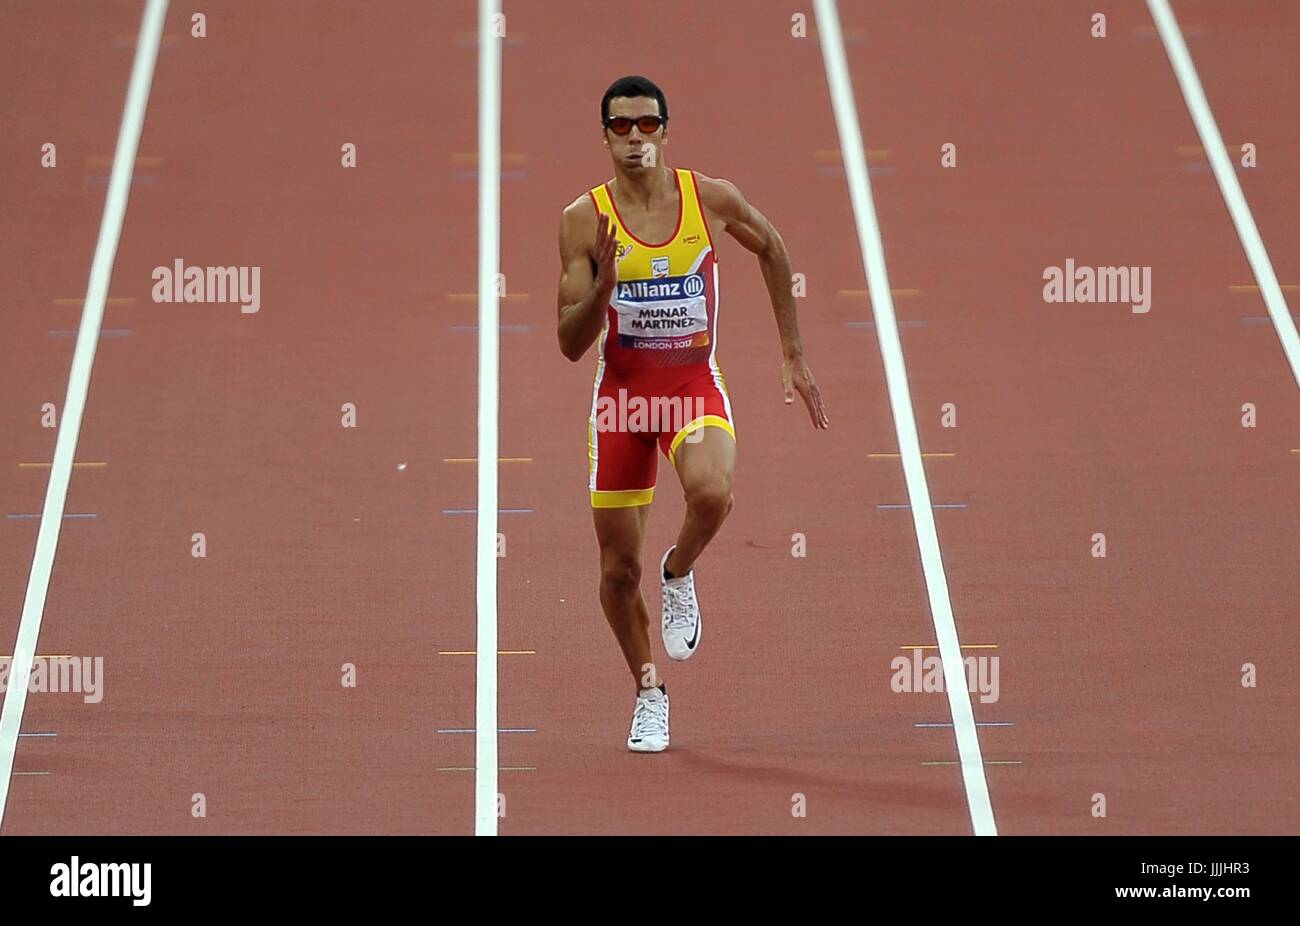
724, 204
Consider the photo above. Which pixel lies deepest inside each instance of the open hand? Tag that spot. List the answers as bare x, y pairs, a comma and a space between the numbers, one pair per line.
797, 377
603, 254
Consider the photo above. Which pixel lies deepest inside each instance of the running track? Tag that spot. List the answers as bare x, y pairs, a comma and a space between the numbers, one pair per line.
1119, 676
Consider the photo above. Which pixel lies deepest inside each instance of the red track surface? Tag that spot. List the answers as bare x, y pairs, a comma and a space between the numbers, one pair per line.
1121, 675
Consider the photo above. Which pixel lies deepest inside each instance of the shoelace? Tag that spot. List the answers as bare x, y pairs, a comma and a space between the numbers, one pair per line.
679, 605
648, 717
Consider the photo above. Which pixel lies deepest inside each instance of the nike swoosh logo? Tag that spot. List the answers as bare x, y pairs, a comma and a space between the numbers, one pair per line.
690, 644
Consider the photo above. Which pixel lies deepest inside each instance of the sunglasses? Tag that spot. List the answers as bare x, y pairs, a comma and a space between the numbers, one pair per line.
622, 125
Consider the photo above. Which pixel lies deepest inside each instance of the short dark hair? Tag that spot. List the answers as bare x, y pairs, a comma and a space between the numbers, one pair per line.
633, 86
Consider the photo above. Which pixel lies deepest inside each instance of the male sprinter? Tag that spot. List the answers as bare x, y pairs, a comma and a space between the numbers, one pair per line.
639, 278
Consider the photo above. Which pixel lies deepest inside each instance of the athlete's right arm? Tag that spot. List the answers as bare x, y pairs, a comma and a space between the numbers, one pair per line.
587, 275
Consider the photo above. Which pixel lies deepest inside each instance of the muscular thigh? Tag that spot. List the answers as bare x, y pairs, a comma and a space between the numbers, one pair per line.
709, 462
621, 532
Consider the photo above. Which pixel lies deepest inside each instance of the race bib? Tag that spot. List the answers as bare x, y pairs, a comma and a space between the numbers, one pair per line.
664, 313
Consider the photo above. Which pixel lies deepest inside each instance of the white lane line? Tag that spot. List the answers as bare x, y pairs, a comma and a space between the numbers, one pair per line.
83, 359
1172, 38
489, 309
900, 400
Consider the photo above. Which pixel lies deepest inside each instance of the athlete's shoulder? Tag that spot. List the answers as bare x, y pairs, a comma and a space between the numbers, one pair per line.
581, 206
718, 195
578, 226
579, 215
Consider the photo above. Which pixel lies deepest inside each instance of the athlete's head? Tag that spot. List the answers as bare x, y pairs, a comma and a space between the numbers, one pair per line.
634, 115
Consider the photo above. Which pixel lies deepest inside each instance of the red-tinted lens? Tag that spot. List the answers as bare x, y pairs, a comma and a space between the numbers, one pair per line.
622, 125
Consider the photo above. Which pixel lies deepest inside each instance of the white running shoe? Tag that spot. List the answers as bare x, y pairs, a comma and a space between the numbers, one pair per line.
649, 722
681, 612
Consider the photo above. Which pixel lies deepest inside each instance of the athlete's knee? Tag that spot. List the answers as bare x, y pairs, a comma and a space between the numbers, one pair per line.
620, 572
711, 499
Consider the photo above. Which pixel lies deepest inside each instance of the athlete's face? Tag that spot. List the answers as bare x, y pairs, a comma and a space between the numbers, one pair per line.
637, 150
